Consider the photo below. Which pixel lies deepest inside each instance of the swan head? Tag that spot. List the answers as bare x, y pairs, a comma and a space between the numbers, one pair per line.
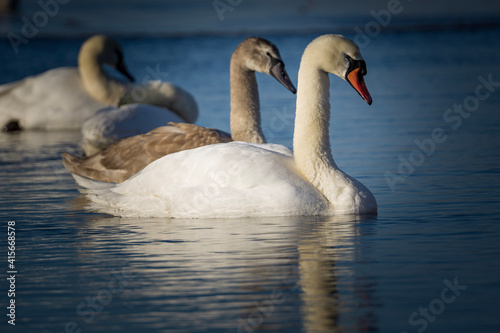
103, 50
340, 56
260, 55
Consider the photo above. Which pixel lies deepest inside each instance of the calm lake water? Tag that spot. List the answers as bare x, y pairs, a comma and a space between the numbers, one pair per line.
429, 262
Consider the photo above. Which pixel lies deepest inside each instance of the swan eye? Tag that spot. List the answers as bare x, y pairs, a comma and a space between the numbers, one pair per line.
354, 64
271, 59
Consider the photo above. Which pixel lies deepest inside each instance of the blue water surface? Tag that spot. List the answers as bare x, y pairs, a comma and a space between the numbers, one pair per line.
429, 262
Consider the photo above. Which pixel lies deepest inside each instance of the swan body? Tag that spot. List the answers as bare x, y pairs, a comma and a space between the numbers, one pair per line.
243, 179
120, 161
232, 180
63, 98
125, 158
167, 103
111, 124
55, 99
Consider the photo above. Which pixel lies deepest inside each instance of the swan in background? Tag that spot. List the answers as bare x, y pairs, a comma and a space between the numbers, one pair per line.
125, 158
63, 98
111, 124
240, 179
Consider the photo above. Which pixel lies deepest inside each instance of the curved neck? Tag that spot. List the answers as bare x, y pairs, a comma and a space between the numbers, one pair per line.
97, 83
311, 139
245, 108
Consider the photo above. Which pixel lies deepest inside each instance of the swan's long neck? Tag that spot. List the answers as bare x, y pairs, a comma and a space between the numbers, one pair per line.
311, 139
97, 83
245, 108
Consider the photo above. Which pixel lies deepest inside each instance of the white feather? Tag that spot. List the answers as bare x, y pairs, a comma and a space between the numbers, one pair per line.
241, 179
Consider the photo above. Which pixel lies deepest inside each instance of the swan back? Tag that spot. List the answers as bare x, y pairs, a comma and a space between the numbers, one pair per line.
223, 180
55, 99
123, 159
112, 124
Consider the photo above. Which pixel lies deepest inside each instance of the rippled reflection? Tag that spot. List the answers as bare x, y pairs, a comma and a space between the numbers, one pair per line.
251, 273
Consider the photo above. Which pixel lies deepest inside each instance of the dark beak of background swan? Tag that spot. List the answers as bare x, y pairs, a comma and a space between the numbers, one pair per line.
122, 69
279, 73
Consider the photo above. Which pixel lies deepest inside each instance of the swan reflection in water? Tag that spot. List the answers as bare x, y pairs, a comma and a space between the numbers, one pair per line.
240, 274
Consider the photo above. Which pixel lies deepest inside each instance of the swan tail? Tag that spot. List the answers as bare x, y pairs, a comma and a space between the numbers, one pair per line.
71, 162
99, 193
91, 186
78, 166
106, 198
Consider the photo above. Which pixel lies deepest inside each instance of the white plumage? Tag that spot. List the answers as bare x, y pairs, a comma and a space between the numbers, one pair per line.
231, 180
63, 98
243, 179
52, 100
153, 103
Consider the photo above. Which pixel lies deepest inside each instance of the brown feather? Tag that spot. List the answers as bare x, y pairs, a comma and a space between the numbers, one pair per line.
123, 159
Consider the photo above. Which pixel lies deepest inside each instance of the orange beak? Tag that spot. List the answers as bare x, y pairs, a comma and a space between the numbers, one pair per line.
357, 82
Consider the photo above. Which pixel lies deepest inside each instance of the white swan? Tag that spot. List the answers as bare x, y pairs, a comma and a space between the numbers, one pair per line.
125, 158
243, 179
111, 124
63, 98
